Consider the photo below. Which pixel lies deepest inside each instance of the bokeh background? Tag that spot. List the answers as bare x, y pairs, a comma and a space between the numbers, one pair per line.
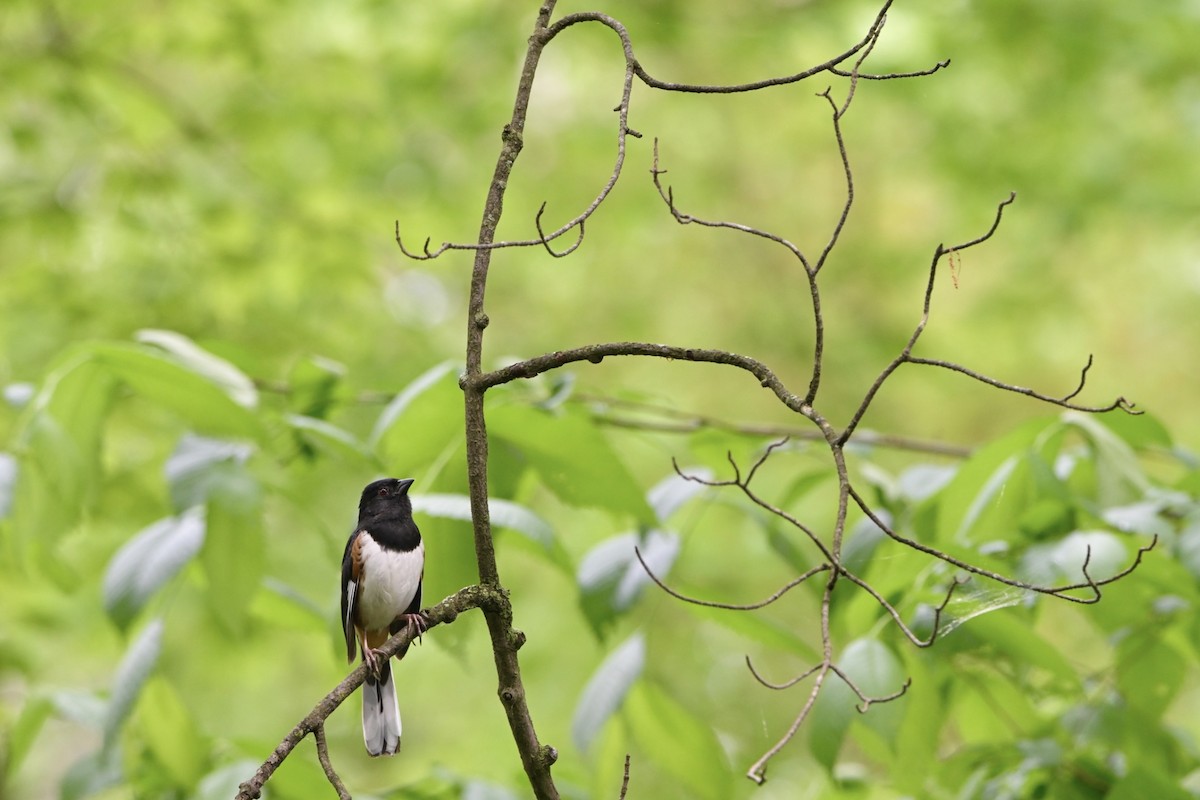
233, 171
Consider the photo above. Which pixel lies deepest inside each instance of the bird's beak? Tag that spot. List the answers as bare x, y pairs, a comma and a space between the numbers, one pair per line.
404, 484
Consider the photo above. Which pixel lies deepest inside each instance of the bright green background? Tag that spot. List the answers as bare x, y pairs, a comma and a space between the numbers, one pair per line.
231, 171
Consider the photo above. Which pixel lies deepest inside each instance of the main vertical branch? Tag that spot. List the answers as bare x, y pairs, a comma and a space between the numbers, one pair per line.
505, 641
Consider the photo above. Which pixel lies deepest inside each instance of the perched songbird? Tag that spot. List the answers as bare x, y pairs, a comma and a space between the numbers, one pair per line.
382, 570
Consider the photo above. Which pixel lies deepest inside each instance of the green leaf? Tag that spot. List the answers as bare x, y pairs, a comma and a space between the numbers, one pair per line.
132, 673
196, 396
611, 578
674, 739
1012, 636
606, 690
233, 555
1119, 475
325, 437
201, 466
86, 708
149, 560
420, 422
876, 671
223, 782
1139, 431
24, 731
92, 774
197, 360
768, 632
8, 482
502, 513
60, 446
171, 734
314, 381
917, 741
1150, 673
1140, 783
980, 480
282, 606
1061, 562
573, 459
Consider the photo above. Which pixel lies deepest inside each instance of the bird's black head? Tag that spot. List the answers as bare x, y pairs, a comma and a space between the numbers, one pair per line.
387, 497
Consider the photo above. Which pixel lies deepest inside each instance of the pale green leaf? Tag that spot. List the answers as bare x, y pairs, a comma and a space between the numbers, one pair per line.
420, 422
573, 459
132, 673
171, 733
683, 745
191, 356
149, 560
606, 690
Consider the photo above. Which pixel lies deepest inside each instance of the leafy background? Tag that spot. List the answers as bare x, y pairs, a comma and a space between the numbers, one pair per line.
209, 343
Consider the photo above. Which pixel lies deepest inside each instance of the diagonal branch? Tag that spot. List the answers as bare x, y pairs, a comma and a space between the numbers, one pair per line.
924, 320
314, 723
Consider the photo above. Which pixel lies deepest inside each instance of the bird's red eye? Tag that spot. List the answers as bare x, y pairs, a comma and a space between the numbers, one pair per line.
383, 492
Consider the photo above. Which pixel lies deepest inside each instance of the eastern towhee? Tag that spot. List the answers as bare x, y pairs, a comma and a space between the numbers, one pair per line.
382, 570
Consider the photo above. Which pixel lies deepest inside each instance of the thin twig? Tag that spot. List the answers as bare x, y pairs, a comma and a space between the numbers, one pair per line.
1065, 402
323, 756
792, 584
887, 372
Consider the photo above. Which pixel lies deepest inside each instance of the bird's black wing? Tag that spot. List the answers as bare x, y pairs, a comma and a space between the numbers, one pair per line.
351, 573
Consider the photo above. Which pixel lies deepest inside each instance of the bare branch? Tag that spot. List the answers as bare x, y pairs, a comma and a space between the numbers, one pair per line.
865, 701
906, 352
895, 614
668, 196
537, 221
595, 353
1082, 380
892, 75
624, 780
444, 612
758, 770
786, 684
1054, 591
1065, 402
327, 765
825, 66
792, 584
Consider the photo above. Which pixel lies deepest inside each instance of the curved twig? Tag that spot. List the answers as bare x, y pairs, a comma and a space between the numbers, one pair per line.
825, 66
792, 584
865, 701
786, 684
537, 221
595, 353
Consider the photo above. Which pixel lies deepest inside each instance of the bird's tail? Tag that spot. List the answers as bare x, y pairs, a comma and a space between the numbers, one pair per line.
381, 712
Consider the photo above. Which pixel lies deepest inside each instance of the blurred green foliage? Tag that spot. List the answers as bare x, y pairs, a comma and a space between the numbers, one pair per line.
209, 342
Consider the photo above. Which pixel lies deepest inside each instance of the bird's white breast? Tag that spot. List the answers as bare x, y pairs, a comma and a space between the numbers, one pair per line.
389, 581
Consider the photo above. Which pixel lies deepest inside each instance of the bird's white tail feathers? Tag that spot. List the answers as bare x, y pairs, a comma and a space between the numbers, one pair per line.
381, 713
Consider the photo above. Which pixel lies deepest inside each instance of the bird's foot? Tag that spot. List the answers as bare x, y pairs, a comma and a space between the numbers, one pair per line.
371, 658
416, 625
